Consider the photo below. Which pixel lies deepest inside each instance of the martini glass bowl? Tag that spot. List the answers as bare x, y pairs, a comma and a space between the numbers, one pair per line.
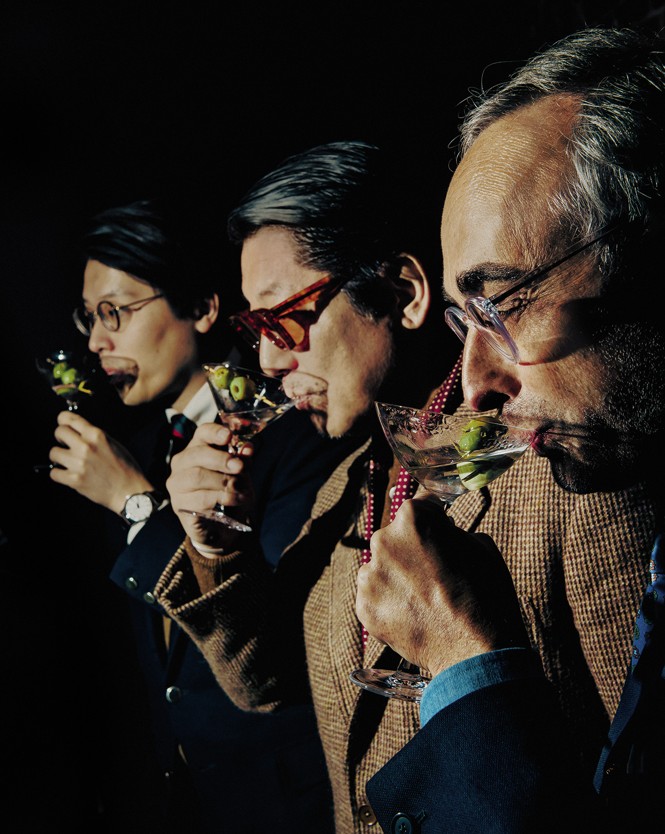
247, 401
68, 374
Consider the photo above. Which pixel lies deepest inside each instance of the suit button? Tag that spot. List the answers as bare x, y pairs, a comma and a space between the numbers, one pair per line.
173, 694
131, 584
366, 815
404, 824
149, 597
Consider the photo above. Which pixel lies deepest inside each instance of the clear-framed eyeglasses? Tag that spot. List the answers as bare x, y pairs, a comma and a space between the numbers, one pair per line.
484, 316
112, 316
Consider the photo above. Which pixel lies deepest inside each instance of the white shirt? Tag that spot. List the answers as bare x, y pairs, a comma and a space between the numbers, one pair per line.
200, 409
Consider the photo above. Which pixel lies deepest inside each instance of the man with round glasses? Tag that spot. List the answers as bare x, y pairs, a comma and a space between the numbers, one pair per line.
551, 234
150, 313
334, 263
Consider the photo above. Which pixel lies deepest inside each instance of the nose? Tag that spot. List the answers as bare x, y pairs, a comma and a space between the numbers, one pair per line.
273, 360
100, 338
488, 380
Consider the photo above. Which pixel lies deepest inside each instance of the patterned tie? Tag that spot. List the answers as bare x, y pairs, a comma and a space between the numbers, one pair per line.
182, 429
653, 604
634, 743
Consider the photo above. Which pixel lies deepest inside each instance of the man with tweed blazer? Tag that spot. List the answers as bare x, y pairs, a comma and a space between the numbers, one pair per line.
341, 309
559, 332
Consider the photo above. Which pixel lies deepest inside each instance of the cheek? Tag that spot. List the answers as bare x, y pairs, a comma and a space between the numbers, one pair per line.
567, 388
172, 350
366, 364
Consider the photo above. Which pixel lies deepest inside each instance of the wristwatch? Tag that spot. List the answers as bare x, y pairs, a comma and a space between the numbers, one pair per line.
140, 506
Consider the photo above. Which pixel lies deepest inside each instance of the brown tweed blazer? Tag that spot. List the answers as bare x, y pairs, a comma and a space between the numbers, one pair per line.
579, 564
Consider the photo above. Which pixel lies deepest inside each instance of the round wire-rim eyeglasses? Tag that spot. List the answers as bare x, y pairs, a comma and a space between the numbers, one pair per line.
109, 314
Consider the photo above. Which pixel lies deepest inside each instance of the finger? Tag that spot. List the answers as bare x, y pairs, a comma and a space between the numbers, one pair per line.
205, 457
211, 434
73, 419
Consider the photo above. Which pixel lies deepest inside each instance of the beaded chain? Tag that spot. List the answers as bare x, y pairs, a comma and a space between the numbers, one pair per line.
405, 486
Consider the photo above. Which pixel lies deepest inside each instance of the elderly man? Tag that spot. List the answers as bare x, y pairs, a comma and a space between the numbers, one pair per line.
549, 235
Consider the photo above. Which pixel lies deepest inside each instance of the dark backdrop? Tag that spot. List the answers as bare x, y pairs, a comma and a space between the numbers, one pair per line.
102, 103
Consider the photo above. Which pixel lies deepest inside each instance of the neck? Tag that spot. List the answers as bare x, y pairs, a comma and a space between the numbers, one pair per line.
190, 388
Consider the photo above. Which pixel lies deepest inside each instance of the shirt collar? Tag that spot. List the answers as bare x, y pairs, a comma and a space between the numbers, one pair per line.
200, 409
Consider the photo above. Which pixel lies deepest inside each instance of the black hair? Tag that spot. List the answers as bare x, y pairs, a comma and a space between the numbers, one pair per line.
153, 242
352, 209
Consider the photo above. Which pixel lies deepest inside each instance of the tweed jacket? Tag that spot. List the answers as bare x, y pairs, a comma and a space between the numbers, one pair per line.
579, 564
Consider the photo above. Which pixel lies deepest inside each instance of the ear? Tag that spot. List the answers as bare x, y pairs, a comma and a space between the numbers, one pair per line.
413, 292
208, 316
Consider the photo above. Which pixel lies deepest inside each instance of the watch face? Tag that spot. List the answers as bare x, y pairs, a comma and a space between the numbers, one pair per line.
139, 507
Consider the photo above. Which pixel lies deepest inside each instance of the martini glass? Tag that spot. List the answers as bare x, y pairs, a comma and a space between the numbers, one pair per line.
247, 401
68, 373
449, 455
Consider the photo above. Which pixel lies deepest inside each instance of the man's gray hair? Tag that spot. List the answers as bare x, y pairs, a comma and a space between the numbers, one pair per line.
617, 149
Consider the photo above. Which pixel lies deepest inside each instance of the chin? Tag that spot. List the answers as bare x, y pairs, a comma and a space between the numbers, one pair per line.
319, 421
601, 475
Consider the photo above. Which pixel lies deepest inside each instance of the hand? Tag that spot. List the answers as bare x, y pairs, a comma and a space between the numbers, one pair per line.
94, 464
205, 474
436, 594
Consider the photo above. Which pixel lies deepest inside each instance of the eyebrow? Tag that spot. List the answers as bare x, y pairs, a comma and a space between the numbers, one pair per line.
473, 281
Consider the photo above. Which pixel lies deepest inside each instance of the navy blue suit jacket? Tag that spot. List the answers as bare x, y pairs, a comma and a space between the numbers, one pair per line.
253, 772
501, 760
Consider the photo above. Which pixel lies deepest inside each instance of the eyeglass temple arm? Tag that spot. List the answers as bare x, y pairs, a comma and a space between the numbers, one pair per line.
533, 276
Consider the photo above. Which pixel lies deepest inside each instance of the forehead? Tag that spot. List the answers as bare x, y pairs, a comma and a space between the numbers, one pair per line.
271, 267
102, 282
499, 207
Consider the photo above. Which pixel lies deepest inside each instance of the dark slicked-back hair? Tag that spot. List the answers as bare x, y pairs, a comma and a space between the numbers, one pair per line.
153, 242
617, 146
352, 209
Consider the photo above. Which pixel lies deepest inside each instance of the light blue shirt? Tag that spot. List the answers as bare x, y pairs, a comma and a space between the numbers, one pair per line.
476, 673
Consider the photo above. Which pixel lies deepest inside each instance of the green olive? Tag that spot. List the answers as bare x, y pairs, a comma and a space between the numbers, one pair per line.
58, 369
475, 475
222, 376
477, 430
69, 376
242, 388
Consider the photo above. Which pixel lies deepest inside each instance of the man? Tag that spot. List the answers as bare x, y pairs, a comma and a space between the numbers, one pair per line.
334, 268
549, 235
150, 311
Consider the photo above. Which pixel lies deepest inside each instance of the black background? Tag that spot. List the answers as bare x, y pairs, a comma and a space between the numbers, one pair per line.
102, 103
105, 102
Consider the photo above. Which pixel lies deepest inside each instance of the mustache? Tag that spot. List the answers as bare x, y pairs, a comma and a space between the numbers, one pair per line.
601, 437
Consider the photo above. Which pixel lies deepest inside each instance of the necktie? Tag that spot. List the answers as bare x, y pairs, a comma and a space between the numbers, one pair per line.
182, 429
633, 747
653, 604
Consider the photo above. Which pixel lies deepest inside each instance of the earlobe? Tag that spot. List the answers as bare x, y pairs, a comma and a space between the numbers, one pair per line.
209, 316
413, 292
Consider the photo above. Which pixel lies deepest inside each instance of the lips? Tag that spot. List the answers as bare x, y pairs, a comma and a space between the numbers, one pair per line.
305, 389
308, 402
121, 380
120, 373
